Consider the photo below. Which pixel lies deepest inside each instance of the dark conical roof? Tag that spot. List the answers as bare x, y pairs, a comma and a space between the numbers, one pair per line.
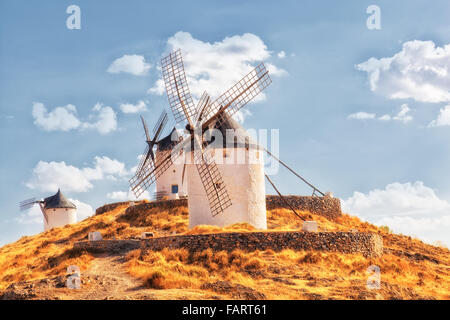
58, 201
237, 136
166, 142
241, 137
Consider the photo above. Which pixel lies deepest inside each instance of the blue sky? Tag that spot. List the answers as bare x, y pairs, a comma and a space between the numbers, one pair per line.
392, 170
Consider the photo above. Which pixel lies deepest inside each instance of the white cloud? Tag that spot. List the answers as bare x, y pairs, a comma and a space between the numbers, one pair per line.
431, 230
409, 208
362, 116
84, 210
133, 64
49, 176
402, 116
241, 115
215, 67
443, 118
60, 118
133, 108
420, 71
385, 117
127, 196
106, 119
31, 216
281, 54
65, 118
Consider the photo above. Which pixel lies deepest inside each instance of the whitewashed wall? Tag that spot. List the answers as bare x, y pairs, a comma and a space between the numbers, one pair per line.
59, 217
170, 177
245, 186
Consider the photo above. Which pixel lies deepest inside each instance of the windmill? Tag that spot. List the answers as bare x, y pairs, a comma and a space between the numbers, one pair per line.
57, 210
213, 188
199, 119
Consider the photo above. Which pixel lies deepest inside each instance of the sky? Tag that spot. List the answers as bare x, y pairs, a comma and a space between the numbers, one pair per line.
361, 100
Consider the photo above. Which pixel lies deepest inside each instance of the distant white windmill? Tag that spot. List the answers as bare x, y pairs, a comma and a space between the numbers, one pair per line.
56, 209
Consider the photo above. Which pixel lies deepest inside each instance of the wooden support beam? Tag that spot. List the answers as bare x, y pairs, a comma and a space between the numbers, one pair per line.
284, 199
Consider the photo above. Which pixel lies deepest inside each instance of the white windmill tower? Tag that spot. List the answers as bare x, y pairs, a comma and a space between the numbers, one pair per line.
56, 209
212, 188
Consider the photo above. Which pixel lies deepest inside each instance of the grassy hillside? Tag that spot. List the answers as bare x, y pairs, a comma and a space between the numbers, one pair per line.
410, 269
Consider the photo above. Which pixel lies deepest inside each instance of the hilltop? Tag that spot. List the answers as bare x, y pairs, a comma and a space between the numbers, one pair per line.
34, 267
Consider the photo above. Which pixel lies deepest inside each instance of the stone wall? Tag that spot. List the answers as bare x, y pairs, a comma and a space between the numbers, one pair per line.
112, 206
324, 206
368, 244
108, 246
142, 209
328, 207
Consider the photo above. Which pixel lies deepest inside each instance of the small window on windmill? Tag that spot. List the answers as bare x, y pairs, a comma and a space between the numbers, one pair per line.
174, 188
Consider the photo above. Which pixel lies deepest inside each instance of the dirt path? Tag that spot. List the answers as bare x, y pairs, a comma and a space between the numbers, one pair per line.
107, 279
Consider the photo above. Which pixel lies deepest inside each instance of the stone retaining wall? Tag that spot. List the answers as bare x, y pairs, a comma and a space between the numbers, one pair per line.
328, 207
112, 206
368, 244
324, 206
108, 246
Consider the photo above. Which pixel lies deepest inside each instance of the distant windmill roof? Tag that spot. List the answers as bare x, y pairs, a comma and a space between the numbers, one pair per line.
58, 201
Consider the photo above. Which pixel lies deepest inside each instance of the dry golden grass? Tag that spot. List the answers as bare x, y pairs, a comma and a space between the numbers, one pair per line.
299, 274
410, 269
50, 253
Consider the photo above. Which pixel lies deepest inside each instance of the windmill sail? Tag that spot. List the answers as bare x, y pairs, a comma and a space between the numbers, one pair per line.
241, 93
202, 106
149, 171
212, 181
144, 124
177, 88
160, 124
202, 116
27, 204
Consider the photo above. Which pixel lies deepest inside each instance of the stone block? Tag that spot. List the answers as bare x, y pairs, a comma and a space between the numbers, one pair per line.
146, 235
95, 236
309, 226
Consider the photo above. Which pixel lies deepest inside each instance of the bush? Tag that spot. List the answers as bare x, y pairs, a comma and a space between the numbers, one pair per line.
155, 281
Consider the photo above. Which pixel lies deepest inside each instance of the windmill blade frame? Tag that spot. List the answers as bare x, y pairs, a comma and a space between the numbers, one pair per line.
202, 107
146, 175
160, 124
177, 88
144, 124
27, 204
212, 182
241, 93
143, 159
